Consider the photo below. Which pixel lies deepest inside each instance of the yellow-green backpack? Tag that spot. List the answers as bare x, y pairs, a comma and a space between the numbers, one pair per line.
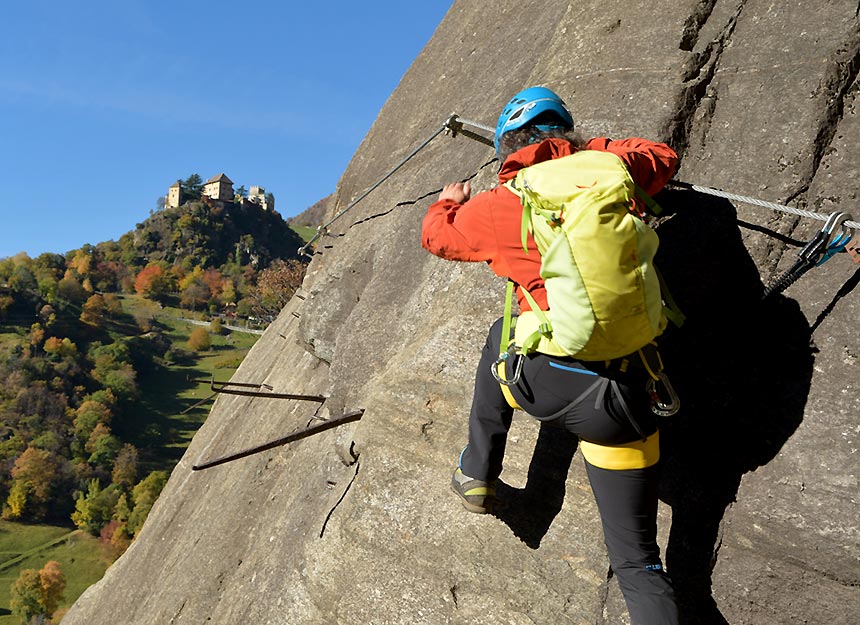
597, 259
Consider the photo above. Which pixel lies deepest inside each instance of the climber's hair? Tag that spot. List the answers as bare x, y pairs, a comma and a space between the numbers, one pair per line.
517, 139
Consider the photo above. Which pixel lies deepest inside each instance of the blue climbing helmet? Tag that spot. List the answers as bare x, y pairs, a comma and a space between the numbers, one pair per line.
526, 106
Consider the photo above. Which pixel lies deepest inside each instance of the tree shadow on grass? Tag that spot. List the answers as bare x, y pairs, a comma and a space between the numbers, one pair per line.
743, 369
156, 424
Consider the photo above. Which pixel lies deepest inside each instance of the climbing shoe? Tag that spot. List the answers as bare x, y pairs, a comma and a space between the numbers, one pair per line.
477, 495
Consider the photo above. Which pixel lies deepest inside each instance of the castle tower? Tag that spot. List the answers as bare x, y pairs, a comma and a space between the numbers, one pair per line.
174, 195
219, 187
258, 196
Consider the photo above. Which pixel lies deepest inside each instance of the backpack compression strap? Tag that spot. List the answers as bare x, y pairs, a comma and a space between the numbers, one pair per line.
531, 342
505, 343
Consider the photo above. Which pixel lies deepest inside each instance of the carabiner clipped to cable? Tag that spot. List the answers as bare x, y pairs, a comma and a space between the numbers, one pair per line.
833, 237
828, 241
504, 358
835, 242
660, 406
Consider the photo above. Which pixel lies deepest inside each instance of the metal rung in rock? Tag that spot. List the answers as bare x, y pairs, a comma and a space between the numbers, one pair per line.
295, 436
220, 387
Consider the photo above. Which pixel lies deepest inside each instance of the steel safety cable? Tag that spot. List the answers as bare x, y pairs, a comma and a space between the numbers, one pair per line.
322, 230
456, 121
756, 202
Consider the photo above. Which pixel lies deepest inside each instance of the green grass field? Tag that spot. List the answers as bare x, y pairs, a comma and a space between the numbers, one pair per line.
31, 546
173, 404
305, 232
171, 409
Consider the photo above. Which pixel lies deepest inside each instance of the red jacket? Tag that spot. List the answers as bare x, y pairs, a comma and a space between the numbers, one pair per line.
487, 226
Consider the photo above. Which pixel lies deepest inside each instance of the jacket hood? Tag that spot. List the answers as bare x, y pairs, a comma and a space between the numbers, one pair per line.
534, 153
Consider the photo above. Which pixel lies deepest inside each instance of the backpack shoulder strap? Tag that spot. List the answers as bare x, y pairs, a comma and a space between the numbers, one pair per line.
653, 206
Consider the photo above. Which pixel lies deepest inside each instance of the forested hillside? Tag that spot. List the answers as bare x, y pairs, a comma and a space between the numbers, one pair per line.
91, 339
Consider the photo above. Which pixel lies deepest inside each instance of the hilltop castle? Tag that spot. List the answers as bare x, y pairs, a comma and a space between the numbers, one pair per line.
220, 189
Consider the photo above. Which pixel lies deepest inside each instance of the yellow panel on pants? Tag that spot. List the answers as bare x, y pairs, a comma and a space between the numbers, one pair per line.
635, 455
509, 397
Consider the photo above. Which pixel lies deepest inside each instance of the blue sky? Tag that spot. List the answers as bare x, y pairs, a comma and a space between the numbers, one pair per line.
105, 103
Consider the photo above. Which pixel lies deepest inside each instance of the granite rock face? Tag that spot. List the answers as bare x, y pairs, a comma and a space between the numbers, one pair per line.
759, 501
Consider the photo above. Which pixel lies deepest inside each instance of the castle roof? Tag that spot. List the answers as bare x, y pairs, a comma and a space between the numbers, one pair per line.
219, 178
175, 184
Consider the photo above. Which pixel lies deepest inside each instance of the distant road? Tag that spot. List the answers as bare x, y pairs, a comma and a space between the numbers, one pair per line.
223, 325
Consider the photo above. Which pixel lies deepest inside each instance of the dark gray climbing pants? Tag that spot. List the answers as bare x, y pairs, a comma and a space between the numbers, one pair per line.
626, 499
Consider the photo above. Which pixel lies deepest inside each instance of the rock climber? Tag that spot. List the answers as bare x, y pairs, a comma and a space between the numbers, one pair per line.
534, 126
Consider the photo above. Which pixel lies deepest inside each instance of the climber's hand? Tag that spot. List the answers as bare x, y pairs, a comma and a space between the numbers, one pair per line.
457, 192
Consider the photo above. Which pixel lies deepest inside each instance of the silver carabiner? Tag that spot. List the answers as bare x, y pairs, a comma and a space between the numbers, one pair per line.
660, 407
504, 357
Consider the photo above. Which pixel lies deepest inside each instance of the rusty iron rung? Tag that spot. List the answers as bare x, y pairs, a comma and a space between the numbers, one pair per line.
349, 417
220, 387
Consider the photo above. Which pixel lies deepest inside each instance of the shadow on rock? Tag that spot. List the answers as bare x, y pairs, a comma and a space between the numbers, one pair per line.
529, 511
742, 367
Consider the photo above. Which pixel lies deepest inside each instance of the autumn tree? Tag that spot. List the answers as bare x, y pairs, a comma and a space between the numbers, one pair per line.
194, 292
94, 310
108, 275
16, 502
228, 292
71, 289
153, 282
37, 334
276, 285
34, 477
38, 593
124, 472
94, 509
214, 279
53, 583
61, 347
82, 261
26, 599
144, 495
199, 339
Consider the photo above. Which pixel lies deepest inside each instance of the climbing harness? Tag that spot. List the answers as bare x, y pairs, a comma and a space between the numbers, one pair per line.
833, 237
664, 400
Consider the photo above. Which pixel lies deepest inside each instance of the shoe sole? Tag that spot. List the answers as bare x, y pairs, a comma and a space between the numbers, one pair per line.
471, 507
